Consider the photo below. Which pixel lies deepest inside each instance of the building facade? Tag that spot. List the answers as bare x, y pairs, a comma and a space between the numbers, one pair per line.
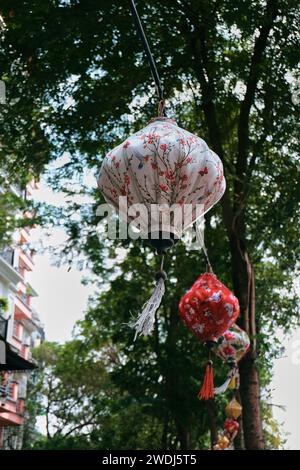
20, 331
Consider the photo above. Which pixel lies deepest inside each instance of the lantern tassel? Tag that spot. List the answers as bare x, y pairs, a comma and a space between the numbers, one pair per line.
232, 380
223, 387
145, 322
230, 377
207, 389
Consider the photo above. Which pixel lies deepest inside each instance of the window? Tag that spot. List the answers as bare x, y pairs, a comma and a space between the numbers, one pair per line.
13, 391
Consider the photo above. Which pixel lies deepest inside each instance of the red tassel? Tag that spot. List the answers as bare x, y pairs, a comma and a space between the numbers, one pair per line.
207, 389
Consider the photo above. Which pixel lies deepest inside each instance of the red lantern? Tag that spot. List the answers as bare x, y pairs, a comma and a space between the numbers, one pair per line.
231, 426
209, 308
225, 439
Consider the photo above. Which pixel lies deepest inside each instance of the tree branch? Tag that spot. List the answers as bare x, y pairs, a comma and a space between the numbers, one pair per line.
251, 86
80, 426
203, 67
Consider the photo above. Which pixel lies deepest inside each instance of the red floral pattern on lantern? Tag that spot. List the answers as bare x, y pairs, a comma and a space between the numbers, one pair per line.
164, 187
232, 345
163, 147
209, 308
204, 171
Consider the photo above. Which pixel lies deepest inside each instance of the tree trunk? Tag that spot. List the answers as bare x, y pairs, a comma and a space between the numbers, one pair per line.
234, 206
243, 281
211, 411
184, 436
250, 396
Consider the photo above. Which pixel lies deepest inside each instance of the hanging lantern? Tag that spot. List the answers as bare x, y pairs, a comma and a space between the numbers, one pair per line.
209, 308
233, 410
231, 427
222, 444
169, 179
231, 347
227, 436
163, 167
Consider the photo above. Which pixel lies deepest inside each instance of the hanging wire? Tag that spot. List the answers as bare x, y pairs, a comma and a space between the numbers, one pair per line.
200, 238
158, 84
162, 262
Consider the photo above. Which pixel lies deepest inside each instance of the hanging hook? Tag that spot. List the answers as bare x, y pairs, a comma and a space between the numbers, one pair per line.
161, 108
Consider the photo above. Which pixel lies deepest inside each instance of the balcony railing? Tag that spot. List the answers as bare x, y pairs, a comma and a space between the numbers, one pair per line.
22, 309
4, 392
26, 260
12, 391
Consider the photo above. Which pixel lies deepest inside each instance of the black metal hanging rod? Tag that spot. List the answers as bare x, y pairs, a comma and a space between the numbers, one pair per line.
159, 86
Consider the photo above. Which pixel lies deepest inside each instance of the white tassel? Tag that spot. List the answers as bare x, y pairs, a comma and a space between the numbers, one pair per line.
145, 322
222, 387
233, 373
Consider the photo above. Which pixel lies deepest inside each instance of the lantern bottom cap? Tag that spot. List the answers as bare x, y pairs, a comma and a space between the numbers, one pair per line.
162, 240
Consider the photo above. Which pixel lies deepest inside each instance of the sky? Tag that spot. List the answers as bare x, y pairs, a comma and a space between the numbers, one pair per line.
62, 300
62, 297
286, 387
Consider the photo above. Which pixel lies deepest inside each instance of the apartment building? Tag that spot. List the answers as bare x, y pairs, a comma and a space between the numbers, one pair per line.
20, 331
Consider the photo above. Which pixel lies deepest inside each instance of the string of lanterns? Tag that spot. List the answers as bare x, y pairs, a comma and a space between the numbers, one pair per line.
175, 179
209, 310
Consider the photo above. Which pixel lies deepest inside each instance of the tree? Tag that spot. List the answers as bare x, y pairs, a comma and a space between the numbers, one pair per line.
79, 393
230, 62
24, 148
67, 395
143, 394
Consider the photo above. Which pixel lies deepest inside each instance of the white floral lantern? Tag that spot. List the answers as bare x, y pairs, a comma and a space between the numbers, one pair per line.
166, 167
174, 176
